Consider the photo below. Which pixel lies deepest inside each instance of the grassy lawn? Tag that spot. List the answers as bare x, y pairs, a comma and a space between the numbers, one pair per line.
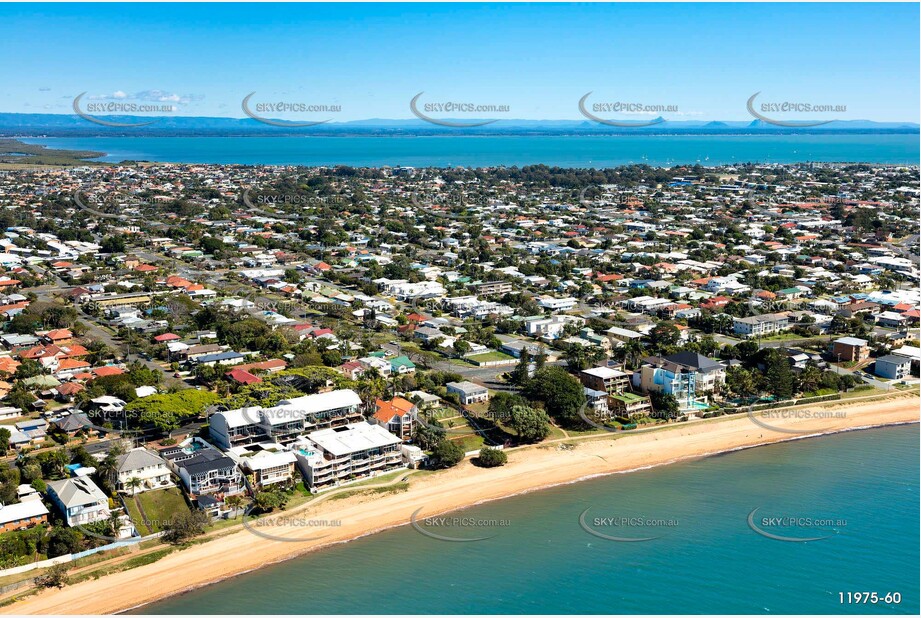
151, 510
489, 357
471, 442
785, 337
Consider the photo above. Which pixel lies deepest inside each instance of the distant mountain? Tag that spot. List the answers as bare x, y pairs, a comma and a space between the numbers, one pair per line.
64, 125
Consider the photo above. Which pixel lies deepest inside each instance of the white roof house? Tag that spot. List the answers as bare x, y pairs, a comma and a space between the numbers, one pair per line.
605, 373
12, 513
353, 438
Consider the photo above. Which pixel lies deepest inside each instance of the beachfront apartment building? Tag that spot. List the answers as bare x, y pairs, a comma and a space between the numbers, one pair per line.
762, 325
850, 349
330, 457
893, 367
688, 376
264, 468
611, 381
285, 421
630, 405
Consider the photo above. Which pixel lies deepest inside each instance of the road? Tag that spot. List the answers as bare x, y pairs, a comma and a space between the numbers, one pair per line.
95, 330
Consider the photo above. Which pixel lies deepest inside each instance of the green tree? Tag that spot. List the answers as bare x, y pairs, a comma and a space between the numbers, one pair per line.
778, 373
266, 501
561, 394
664, 405
741, 381
529, 423
29, 368
185, 526
447, 454
519, 375
491, 458
664, 336
427, 436
501, 404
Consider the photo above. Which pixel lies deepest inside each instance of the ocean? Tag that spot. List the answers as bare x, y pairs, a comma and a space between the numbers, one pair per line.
447, 151
859, 489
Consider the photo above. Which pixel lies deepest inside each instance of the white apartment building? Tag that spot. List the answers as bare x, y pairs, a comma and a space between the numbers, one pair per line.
333, 456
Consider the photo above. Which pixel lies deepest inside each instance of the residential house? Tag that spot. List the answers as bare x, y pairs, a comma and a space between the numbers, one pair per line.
146, 467
22, 515
630, 405
398, 416
203, 469
468, 392
79, 500
266, 468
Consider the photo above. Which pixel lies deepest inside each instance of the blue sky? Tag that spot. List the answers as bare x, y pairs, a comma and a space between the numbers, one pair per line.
538, 59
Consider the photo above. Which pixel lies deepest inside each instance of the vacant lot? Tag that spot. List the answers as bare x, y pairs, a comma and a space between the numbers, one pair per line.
152, 509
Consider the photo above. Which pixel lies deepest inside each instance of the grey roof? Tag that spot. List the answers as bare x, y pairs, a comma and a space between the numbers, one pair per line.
206, 460
693, 359
222, 356
138, 458
73, 422
466, 387
894, 359
77, 492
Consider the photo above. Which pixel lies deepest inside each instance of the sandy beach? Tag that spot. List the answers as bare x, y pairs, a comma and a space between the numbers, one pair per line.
528, 469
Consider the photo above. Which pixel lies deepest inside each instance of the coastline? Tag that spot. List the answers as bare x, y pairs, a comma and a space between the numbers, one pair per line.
529, 469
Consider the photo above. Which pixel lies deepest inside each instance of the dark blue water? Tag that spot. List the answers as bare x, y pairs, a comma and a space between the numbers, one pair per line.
711, 561
564, 151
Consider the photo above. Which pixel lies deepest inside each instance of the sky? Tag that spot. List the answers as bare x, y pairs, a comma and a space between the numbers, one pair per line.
699, 61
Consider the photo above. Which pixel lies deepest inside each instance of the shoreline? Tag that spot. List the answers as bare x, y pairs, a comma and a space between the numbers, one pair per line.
529, 470
911, 161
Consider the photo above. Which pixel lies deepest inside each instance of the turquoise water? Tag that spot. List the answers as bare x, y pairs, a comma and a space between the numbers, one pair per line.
564, 151
710, 561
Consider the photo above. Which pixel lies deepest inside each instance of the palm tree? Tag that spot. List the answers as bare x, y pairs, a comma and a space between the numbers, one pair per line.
115, 523
134, 483
632, 349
